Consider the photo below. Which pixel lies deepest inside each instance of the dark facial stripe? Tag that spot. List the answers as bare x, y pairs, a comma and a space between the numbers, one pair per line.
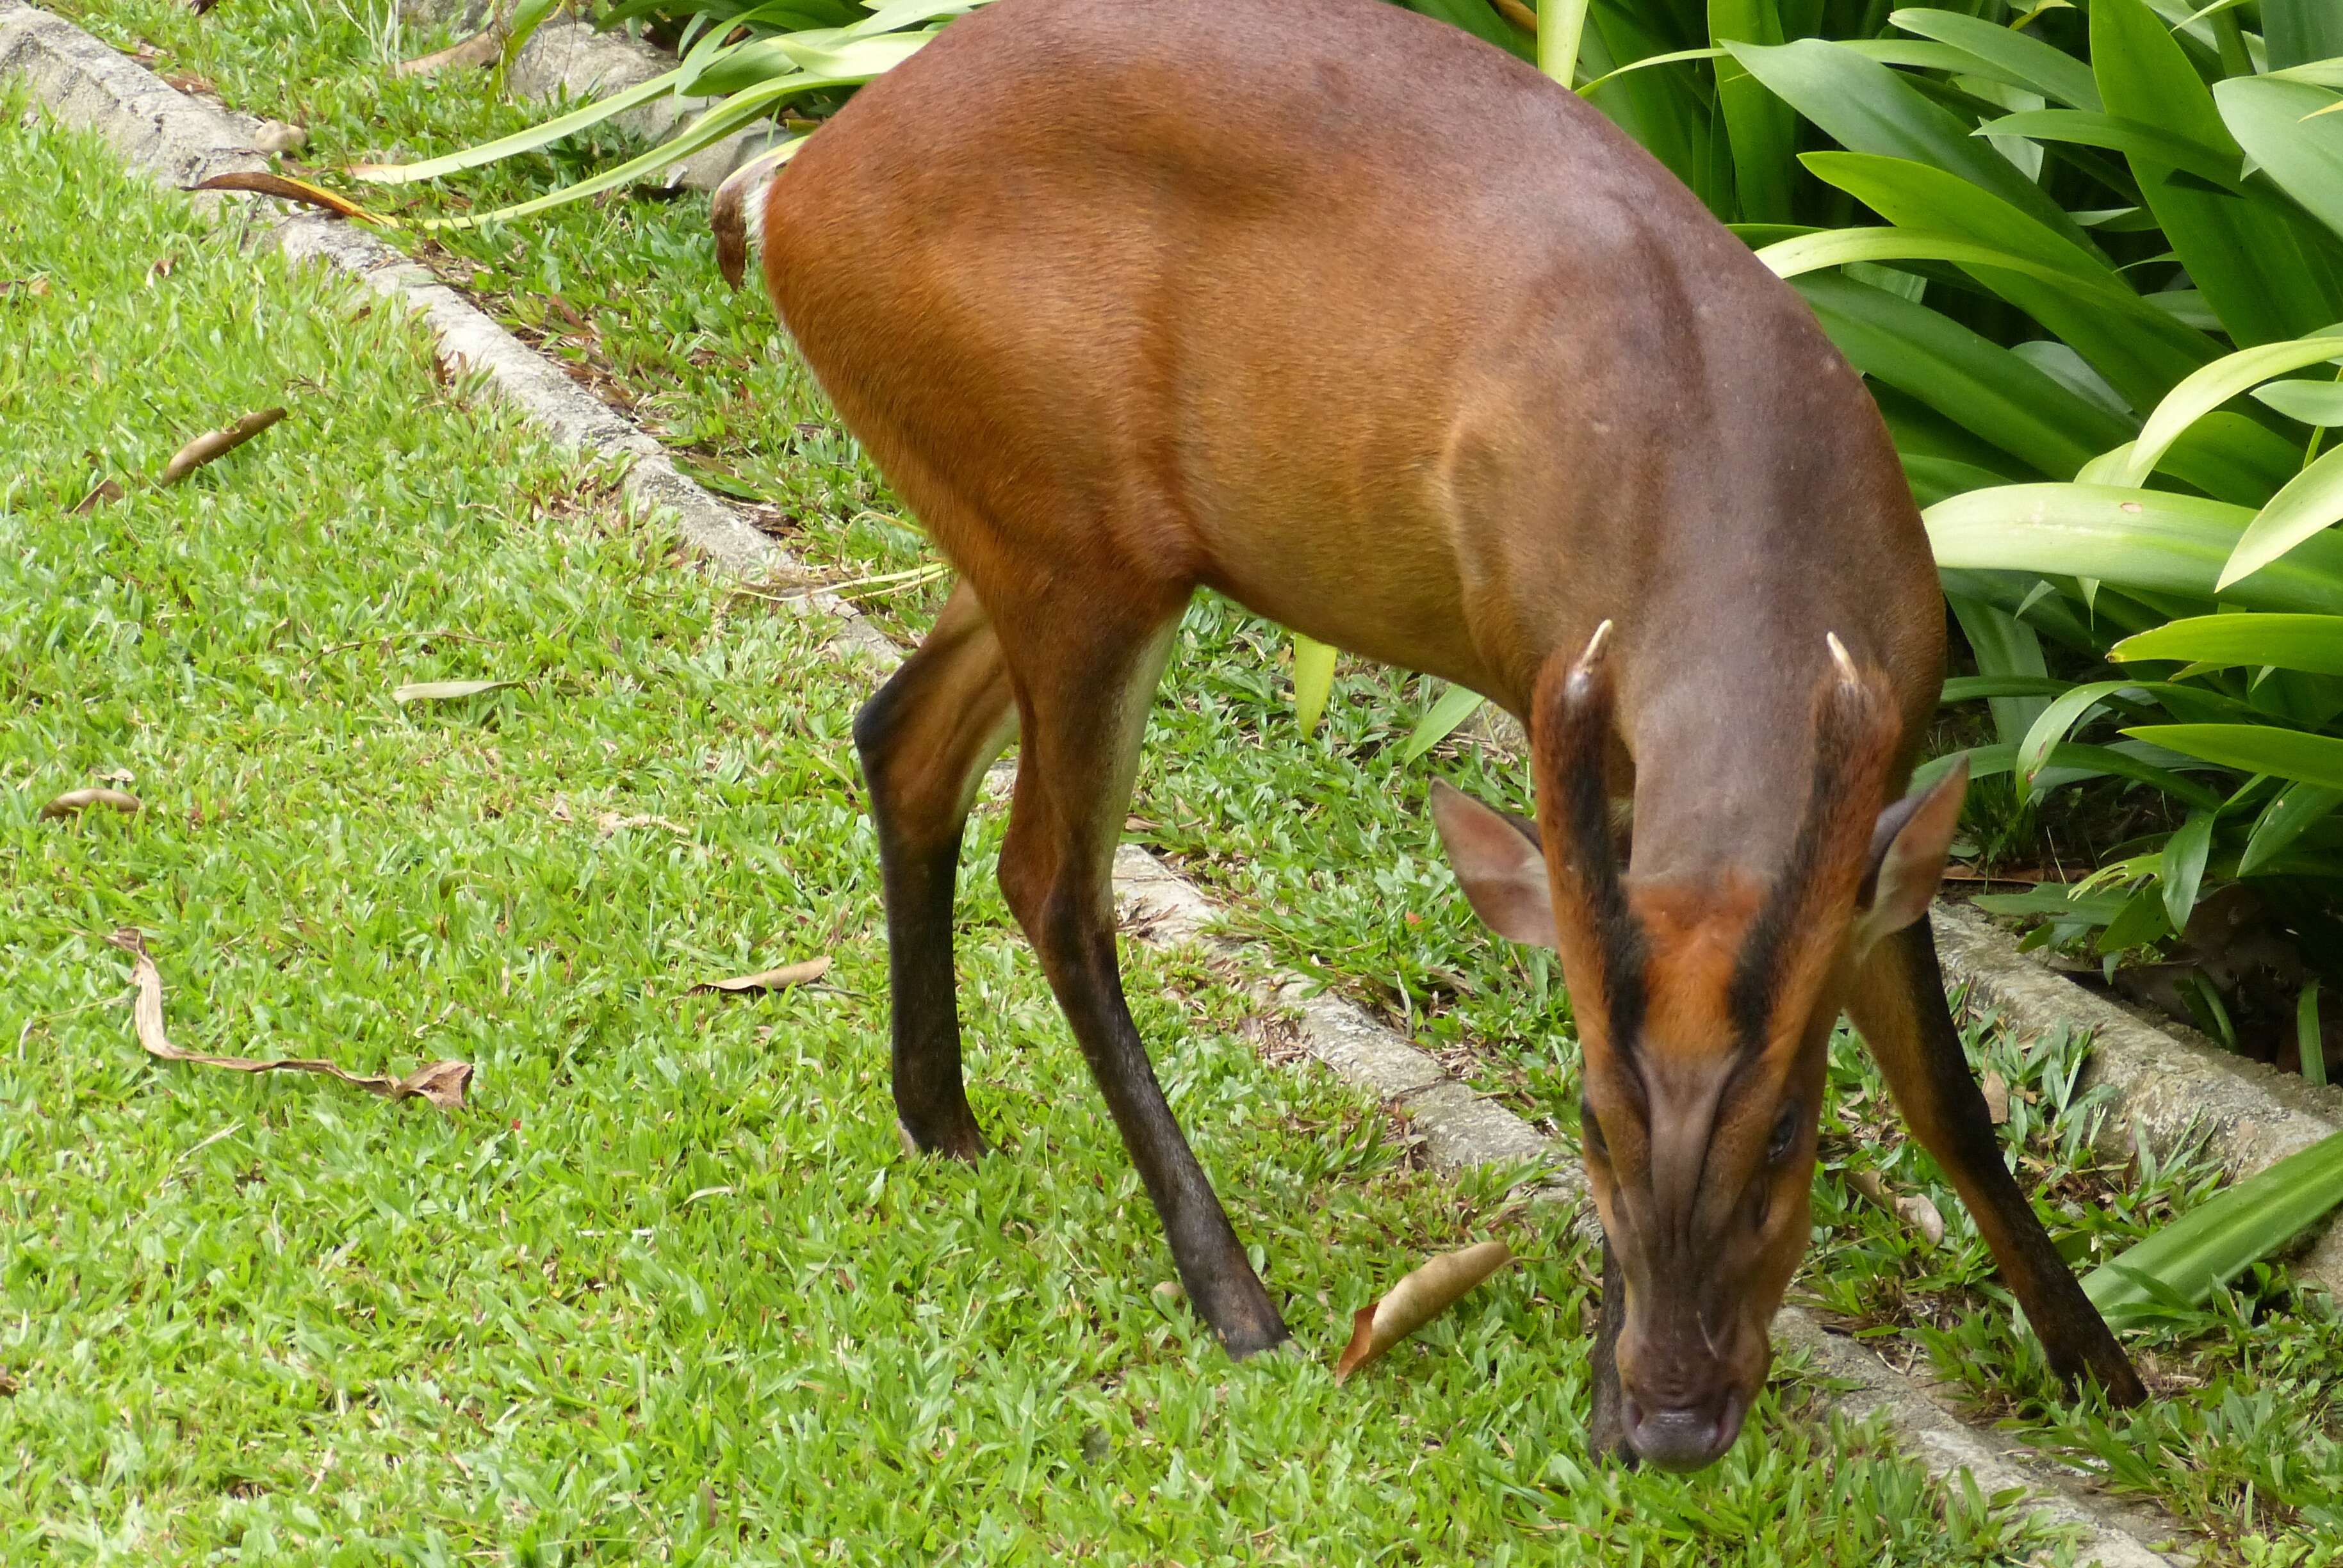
1581, 748
1845, 731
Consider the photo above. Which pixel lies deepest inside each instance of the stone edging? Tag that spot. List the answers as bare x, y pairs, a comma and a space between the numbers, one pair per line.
2170, 1089
180, 140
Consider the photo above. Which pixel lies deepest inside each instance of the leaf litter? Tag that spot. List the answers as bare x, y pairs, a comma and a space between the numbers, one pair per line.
781, 979
442, 1084
1423, 1296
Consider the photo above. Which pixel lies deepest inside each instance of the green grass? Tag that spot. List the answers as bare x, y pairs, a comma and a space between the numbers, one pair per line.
666, 1289
1318, 846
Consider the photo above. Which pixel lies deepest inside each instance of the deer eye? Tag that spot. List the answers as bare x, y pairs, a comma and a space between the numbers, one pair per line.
1785, 1133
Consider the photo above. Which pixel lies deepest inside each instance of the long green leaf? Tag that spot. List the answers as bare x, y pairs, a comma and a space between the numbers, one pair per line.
528, 141
1313, 681
2139, 349
2310, 1041
2070, 764
1973, 687
2121, 135
2272, 120
2299, 808
2242, 256
1867, 108
2049, 71
2300, 31
2310, 503
1980, 386
1456, 704
1838, 247
2206, 388
2182, 872
1761, 129
2195, 1255
2143, 539
2312, 402
2255, 747
2005, 646
2057, 720
2311, 643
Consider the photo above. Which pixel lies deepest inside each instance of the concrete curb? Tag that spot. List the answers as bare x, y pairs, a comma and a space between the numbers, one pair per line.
162, 133
2169, 1089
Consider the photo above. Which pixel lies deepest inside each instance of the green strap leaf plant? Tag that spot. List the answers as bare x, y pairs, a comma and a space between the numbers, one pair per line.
2180, 1266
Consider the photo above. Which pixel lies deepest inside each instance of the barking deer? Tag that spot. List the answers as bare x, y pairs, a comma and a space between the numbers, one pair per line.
1369, 327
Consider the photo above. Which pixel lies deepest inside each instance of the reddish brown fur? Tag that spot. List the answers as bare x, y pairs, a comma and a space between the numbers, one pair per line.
1376, 330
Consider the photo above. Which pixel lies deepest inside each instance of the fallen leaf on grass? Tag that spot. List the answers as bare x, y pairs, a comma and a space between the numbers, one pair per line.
32, 287
285, 189
107, 490
445, 690
1416, 1299
1911, 1207
216, 444
771, 979
440, 1083
1995, 1089
480, 49
277, 136
8, 1385
73, 801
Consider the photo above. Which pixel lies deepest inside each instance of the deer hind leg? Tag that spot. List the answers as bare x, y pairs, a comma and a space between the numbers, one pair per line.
1899, 1004
925, 740
1084, 682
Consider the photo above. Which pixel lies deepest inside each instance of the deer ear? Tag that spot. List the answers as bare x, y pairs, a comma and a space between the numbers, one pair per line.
1499, 864
1907, 858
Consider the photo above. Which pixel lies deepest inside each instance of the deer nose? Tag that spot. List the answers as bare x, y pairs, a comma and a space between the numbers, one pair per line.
1684, 1437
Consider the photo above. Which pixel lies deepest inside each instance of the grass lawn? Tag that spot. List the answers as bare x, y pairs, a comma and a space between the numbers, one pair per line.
1320, 846
666, 1289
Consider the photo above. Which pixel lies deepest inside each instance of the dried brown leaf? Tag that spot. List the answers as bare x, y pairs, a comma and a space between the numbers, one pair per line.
481, 48
781, 979
1416, 1299
107, 490
283, 187
73, 801
31, 287
440, 1083
1911, 1207
216, 444
1996, 1089
277, 136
